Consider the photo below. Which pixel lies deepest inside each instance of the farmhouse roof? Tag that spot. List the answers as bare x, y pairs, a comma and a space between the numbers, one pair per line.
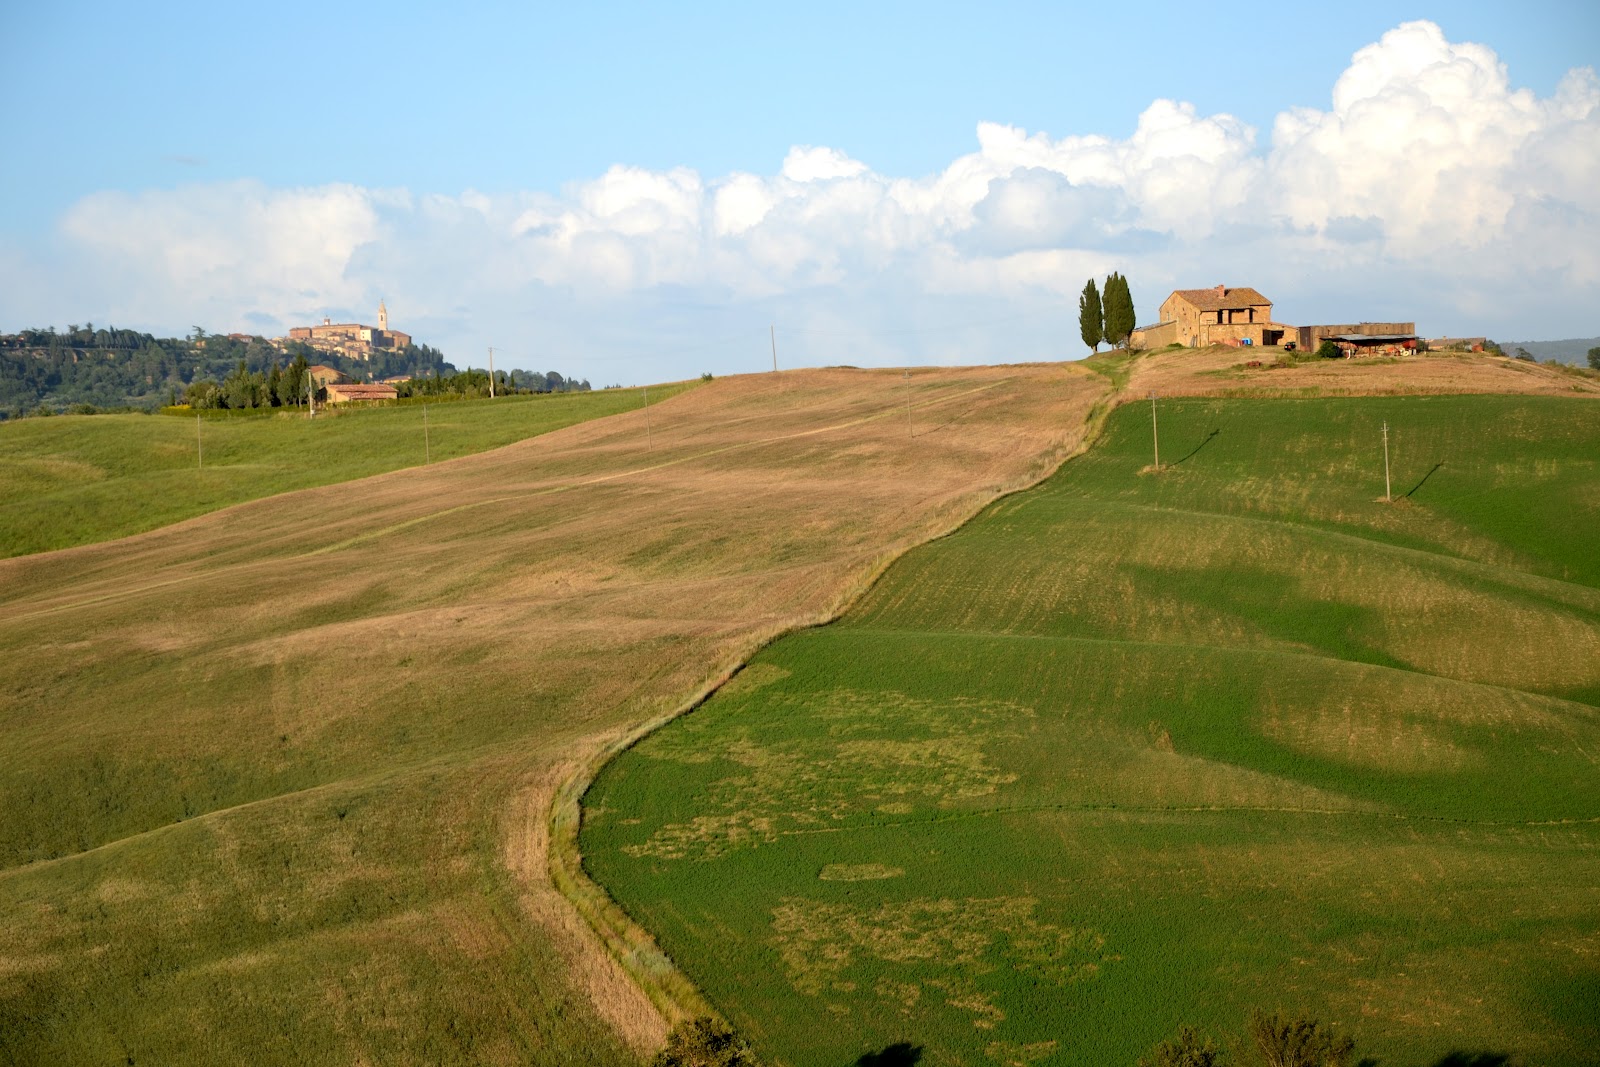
1221, 298
362, 391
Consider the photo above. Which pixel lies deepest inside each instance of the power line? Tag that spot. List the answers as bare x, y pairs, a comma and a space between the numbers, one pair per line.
942, 328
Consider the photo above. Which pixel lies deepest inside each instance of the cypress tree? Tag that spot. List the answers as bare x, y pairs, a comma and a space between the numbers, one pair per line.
1091, 320
1119, 314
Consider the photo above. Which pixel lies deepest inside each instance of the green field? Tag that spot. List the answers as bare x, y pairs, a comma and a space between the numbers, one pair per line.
1133, 750
77, 479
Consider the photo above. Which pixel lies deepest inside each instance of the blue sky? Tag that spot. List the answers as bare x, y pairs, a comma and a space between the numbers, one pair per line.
168, 126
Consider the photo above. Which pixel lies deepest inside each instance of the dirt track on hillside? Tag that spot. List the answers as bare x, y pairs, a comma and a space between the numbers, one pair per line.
620, 568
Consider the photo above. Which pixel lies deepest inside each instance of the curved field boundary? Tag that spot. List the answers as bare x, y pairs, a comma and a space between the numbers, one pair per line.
1129, 378
632, 947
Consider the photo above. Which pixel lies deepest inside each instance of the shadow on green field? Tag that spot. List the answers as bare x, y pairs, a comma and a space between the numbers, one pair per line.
902, 1054
1196, 449
1431, 472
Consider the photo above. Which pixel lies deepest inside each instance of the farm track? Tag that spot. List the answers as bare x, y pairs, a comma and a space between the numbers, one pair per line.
575, 547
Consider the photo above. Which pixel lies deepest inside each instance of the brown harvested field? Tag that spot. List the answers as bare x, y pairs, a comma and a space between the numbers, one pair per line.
284, 771
1221, 371
284, 778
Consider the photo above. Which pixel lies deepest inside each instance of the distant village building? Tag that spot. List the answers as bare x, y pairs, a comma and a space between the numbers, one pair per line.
1197, 318
346, 392
324, 375
353, 339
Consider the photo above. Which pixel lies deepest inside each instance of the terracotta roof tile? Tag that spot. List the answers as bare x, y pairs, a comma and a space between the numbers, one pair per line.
362, 391
1232, 299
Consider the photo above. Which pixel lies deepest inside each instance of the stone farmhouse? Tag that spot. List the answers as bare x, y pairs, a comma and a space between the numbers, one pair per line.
1197, 318
348, 393
353, 339
324, 375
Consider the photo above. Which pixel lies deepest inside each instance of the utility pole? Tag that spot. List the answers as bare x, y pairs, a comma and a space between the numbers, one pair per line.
907, 377
774, 331
1155, 436
1388, 496
491, 372
199, 445
648, 447
427, 449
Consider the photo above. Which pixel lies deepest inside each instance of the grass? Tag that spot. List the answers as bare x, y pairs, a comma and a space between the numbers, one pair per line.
277, 783
79, 479
1132, 750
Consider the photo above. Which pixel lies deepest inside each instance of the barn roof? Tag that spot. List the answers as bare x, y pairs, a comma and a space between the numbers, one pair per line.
362, 391
1221, 298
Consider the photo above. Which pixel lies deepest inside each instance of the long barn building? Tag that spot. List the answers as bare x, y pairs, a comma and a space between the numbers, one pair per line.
1197, 318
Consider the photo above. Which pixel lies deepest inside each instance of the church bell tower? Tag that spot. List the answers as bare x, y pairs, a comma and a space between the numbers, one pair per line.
383, 317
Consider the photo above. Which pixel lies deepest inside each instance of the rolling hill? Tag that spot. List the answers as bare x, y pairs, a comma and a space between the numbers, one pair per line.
77, 479
296, 781
1134, 750
278, 777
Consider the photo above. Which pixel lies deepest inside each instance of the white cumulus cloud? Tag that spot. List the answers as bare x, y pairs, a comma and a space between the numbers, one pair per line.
1430, 187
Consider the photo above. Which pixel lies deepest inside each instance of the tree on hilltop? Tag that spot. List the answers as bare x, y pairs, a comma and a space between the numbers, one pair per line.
1118, 302
1594, 359
1091, 319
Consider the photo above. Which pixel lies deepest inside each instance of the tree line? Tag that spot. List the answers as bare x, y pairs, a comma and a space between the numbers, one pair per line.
1272, 1039
243, 388
470, 383
45, 371
1106, 315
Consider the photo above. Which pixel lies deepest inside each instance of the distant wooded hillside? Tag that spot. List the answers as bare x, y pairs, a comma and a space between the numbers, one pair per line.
112, 368
1573, 350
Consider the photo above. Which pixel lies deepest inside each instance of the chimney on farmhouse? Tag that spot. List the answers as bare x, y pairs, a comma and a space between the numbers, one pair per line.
1222, 290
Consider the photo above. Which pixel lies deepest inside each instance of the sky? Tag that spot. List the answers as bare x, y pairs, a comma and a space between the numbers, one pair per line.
636, 193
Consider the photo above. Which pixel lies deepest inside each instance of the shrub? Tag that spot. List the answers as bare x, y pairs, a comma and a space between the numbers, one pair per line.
1282, 1042
1187, 1050
704, 1042
1329, 350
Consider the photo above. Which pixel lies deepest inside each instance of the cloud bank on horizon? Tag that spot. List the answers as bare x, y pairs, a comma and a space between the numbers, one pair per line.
1430, 189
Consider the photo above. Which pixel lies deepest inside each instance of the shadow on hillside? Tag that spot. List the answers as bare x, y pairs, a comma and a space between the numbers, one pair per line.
1474, 1059
1196, 449
1425, 477
903, 1054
